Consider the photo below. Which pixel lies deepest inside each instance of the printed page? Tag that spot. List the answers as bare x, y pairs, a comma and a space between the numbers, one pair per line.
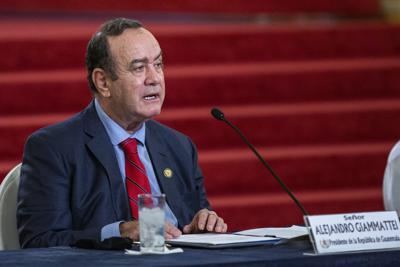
218, 239
279, 232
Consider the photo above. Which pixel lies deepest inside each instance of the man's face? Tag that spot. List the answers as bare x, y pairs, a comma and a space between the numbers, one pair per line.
139, 91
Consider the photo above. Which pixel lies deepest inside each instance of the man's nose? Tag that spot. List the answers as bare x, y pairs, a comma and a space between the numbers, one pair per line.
153, 76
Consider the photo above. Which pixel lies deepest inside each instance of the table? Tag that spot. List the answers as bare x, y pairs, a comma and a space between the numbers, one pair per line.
267, 255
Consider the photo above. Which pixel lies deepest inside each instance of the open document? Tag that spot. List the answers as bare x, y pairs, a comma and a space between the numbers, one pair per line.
252, 237
212, 240
280, 232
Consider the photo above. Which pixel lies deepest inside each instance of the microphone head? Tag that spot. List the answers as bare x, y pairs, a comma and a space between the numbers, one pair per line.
218, 114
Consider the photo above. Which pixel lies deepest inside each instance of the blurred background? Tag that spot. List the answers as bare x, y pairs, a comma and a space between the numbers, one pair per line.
314, 84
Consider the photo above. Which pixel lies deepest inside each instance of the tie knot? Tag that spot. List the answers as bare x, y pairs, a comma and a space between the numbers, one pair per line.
129, 146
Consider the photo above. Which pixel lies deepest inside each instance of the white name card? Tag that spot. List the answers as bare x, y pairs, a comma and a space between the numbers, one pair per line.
354, 231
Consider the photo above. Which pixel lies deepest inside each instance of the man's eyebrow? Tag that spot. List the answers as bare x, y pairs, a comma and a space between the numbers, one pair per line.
158, 56
143, 60
139, 60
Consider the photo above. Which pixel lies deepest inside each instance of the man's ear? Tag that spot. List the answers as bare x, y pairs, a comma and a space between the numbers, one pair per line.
100, 80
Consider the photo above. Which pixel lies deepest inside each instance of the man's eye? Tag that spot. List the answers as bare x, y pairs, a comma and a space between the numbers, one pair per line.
159, 65
138, 68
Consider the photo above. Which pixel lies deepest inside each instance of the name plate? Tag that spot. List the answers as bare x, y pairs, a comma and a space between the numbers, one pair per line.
354, 231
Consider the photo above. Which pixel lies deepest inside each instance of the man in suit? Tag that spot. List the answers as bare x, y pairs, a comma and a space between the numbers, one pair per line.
73, 177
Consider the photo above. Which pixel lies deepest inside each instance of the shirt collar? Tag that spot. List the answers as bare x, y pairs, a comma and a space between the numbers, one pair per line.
116, 133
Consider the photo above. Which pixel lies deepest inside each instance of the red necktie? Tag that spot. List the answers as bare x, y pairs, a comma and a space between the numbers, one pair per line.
136, 180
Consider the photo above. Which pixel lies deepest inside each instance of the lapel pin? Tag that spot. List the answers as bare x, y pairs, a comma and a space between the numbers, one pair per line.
167, 172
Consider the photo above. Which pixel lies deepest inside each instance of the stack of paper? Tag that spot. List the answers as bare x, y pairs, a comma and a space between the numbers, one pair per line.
280, 232
252, 237
212, 240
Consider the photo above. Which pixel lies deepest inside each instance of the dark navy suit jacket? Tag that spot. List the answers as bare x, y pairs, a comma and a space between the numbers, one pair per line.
71, 185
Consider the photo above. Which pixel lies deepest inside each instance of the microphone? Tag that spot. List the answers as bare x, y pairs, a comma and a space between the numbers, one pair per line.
219, 115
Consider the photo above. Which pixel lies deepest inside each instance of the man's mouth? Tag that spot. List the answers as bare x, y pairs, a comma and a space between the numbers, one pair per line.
151, 97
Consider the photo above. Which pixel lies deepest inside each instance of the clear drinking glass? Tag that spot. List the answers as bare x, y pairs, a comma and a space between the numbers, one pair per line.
151, 222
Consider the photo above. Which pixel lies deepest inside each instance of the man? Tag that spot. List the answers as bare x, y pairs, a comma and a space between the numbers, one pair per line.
75, 180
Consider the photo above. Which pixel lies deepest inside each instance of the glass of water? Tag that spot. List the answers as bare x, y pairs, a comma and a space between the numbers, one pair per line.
151, 222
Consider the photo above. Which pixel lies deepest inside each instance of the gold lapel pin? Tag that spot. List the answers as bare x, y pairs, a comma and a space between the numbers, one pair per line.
167, 172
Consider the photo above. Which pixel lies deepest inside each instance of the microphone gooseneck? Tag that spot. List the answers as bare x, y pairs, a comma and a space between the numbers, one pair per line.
219, 115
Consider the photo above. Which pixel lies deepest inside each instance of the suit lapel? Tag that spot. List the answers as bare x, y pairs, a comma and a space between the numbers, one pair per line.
161, 161
99, 144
